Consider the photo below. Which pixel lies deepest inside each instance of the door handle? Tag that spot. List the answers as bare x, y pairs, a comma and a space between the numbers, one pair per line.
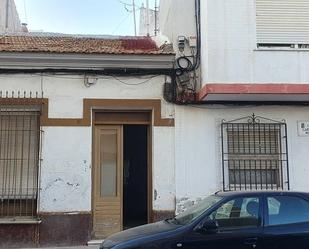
251, 241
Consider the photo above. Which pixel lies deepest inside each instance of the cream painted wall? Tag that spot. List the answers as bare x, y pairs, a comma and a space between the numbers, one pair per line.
66, 151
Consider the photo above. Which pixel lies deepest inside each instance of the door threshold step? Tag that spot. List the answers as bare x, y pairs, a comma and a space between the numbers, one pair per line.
95, 242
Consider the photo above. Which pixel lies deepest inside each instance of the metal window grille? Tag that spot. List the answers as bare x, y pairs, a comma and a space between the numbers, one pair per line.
254, 154
19, 161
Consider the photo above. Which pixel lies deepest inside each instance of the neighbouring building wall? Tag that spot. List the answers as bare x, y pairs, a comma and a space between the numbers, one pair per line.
9, 22
67, 151
153, 21
177, 18
198, 147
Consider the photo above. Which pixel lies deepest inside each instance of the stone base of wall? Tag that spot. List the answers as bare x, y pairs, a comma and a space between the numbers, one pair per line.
13, 236
62, 230
55, 230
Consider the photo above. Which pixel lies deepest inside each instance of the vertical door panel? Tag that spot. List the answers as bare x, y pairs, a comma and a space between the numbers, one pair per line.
107, 201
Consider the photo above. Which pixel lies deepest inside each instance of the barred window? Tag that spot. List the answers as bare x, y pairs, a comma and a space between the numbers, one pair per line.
254, 154
19, 161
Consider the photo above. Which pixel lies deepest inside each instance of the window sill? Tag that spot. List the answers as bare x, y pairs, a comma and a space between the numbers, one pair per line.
16, 221
282, 49
255, 187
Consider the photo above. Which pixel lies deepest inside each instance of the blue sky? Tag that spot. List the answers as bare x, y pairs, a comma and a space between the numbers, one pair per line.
80, 16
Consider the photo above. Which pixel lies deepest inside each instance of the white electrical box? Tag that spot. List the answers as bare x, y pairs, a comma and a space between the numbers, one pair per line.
192, 41
303, 128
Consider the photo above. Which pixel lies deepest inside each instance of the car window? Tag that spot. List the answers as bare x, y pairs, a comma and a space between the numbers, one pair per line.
238, 212
287, 210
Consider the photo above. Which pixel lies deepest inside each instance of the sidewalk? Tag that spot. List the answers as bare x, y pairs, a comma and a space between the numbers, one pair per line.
74, 247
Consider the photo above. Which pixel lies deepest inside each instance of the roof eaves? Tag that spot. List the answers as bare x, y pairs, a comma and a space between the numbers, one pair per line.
37, 60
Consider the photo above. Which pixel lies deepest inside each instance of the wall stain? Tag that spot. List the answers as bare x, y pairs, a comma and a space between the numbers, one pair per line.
73, 184
49, 185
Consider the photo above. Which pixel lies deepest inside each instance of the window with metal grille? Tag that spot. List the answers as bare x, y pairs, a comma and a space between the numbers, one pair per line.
282, 23
19, 161
254, 154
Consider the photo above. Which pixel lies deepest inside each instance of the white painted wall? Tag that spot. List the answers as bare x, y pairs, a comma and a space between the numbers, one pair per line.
66, 151
198, 147
164, 171
186, 159
66, 169
229, 55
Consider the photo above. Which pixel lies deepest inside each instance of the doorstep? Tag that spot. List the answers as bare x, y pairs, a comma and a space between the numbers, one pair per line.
95, 242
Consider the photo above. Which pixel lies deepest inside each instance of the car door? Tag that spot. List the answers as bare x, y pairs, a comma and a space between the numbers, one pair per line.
287, 222
239, 226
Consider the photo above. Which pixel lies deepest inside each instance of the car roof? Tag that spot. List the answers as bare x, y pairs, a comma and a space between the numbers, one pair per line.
258, 192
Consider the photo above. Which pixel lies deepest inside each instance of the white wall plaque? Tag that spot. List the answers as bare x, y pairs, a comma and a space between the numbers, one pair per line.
303, 128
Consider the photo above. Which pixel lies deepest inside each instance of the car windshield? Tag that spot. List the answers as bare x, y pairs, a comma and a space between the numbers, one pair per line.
195, 211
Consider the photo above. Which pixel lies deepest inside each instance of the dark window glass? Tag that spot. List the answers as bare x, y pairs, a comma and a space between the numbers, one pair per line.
239, 212
287, 210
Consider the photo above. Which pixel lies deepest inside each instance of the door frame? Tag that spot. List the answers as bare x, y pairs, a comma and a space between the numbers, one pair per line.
123, 121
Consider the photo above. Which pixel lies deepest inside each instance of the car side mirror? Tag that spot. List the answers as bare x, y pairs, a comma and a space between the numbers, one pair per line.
208, 226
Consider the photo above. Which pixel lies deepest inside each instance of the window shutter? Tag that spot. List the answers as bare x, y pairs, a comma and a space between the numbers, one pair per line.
282, 21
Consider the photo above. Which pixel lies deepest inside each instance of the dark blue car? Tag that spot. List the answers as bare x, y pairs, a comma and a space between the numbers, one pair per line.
232, 220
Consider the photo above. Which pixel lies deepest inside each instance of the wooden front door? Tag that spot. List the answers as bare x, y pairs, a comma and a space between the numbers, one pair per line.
108, 180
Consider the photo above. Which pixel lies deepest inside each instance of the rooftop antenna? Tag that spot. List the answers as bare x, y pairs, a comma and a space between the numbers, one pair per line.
25, 10
134, 16
147, 17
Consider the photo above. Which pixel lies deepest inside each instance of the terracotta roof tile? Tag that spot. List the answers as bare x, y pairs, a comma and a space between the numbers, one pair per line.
81, 45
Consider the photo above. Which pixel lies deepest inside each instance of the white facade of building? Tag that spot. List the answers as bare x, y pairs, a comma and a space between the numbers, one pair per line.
74, 93
229, 55
67, 151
